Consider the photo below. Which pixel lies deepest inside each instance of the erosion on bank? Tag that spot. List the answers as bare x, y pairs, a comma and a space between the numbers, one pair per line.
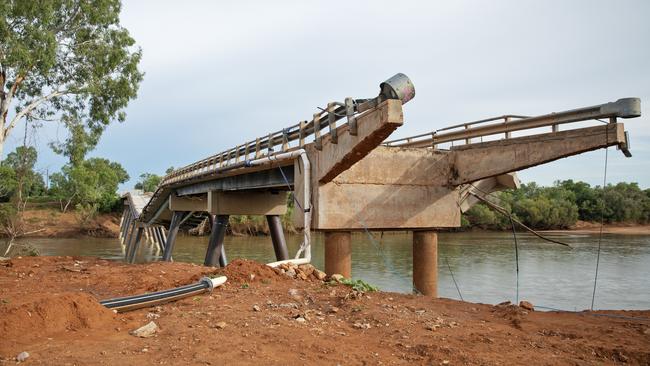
48, 308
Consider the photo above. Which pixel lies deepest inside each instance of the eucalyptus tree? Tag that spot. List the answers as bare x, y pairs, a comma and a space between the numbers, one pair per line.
65, 58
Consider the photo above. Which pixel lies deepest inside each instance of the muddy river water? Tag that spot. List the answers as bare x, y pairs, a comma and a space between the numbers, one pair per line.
482, 263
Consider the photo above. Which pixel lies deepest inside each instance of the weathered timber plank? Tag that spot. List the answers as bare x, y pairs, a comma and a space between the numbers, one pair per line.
373, 128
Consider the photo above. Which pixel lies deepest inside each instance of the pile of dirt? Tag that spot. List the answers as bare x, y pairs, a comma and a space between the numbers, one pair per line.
243, 271
37, 315
49, 308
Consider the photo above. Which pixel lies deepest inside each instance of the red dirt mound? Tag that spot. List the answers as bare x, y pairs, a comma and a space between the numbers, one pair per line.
37, 316
242, 271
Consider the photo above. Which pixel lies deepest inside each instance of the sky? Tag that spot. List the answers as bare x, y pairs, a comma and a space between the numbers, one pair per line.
221, 73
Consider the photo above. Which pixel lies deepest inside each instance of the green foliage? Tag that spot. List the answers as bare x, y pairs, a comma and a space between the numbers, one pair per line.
68, 60
95, 181
561, 205
17, 171
359, 285
148, 182
85, 212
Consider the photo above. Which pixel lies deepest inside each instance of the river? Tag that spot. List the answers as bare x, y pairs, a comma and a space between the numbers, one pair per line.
482, 263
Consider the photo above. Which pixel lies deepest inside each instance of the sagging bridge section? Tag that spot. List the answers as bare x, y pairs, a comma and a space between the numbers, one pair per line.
346, 177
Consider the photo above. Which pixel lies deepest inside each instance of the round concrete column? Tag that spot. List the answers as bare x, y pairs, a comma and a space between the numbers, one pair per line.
338, 253
425, 262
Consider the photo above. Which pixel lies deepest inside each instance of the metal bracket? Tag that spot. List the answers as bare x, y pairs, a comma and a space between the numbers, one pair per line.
352, 120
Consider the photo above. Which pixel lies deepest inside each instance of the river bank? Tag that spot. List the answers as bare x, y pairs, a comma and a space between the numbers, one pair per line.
51, 223
49, 308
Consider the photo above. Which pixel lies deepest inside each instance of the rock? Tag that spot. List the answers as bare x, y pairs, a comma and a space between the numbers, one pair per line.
301, 275
337, 277
361, 325
320, 275
22, 356
220, 325
300, 319
291, 273
146, 331
256, 308
333, 309
307, 269
526, 305
152, 316
505, 303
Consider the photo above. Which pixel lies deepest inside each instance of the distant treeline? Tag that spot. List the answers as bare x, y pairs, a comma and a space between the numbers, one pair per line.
562, 205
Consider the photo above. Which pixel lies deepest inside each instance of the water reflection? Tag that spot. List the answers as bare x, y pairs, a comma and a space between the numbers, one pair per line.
482, 263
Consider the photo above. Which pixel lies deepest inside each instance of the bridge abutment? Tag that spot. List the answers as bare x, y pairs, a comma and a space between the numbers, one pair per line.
425, 262
338, 253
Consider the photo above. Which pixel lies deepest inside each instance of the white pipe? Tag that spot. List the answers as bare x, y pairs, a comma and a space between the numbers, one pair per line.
214, 282
306, 202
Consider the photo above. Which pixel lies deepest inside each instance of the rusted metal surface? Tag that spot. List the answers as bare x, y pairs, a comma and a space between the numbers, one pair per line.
425, 262
338, 253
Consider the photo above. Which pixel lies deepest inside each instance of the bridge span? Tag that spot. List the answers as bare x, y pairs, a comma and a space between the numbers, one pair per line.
344, 176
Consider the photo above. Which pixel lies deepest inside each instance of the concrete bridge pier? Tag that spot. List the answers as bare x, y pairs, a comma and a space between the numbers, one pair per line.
216, 251
338, 253
177, 219
277, 237
425, 262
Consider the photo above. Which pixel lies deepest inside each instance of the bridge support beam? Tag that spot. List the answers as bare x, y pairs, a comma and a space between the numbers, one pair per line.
133, 250
338, 253
277, 237
216, 251
177, 218
425, 262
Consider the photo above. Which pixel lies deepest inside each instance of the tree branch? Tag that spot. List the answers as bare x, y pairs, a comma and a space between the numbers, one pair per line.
30, 107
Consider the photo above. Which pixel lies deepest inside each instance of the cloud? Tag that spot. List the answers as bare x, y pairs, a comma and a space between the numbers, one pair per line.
219, 74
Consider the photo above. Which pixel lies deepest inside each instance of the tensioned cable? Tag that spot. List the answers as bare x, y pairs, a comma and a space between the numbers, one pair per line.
602, 219
514, 235
454, 279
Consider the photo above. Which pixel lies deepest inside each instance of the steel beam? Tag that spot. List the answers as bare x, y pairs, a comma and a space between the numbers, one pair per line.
177, 218
256, 180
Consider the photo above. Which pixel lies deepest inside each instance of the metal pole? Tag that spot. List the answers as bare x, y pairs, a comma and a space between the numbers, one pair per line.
215, 243
425, 262
127, 243
135, 245
277, 237
127, 226
177, 217
223, 261
338, 253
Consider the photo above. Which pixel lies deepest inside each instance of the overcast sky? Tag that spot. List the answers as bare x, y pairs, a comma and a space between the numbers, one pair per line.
221, 73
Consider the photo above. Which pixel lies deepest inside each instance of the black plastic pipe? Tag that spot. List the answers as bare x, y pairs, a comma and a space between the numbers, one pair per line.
121, 304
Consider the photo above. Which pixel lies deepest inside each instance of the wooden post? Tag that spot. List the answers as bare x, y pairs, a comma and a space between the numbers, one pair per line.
338, 253
425, 262
177, 217
215, 243
277, 237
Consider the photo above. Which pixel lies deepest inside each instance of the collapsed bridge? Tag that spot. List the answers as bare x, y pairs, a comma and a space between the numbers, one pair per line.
346, 177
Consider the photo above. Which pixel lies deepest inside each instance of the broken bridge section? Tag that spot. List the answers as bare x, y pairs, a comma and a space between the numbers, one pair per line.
348, 179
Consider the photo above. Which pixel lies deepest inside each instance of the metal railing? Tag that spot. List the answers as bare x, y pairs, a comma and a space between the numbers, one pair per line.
623, 108
397, 87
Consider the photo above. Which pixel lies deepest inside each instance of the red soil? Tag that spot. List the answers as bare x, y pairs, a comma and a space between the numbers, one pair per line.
49, 308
